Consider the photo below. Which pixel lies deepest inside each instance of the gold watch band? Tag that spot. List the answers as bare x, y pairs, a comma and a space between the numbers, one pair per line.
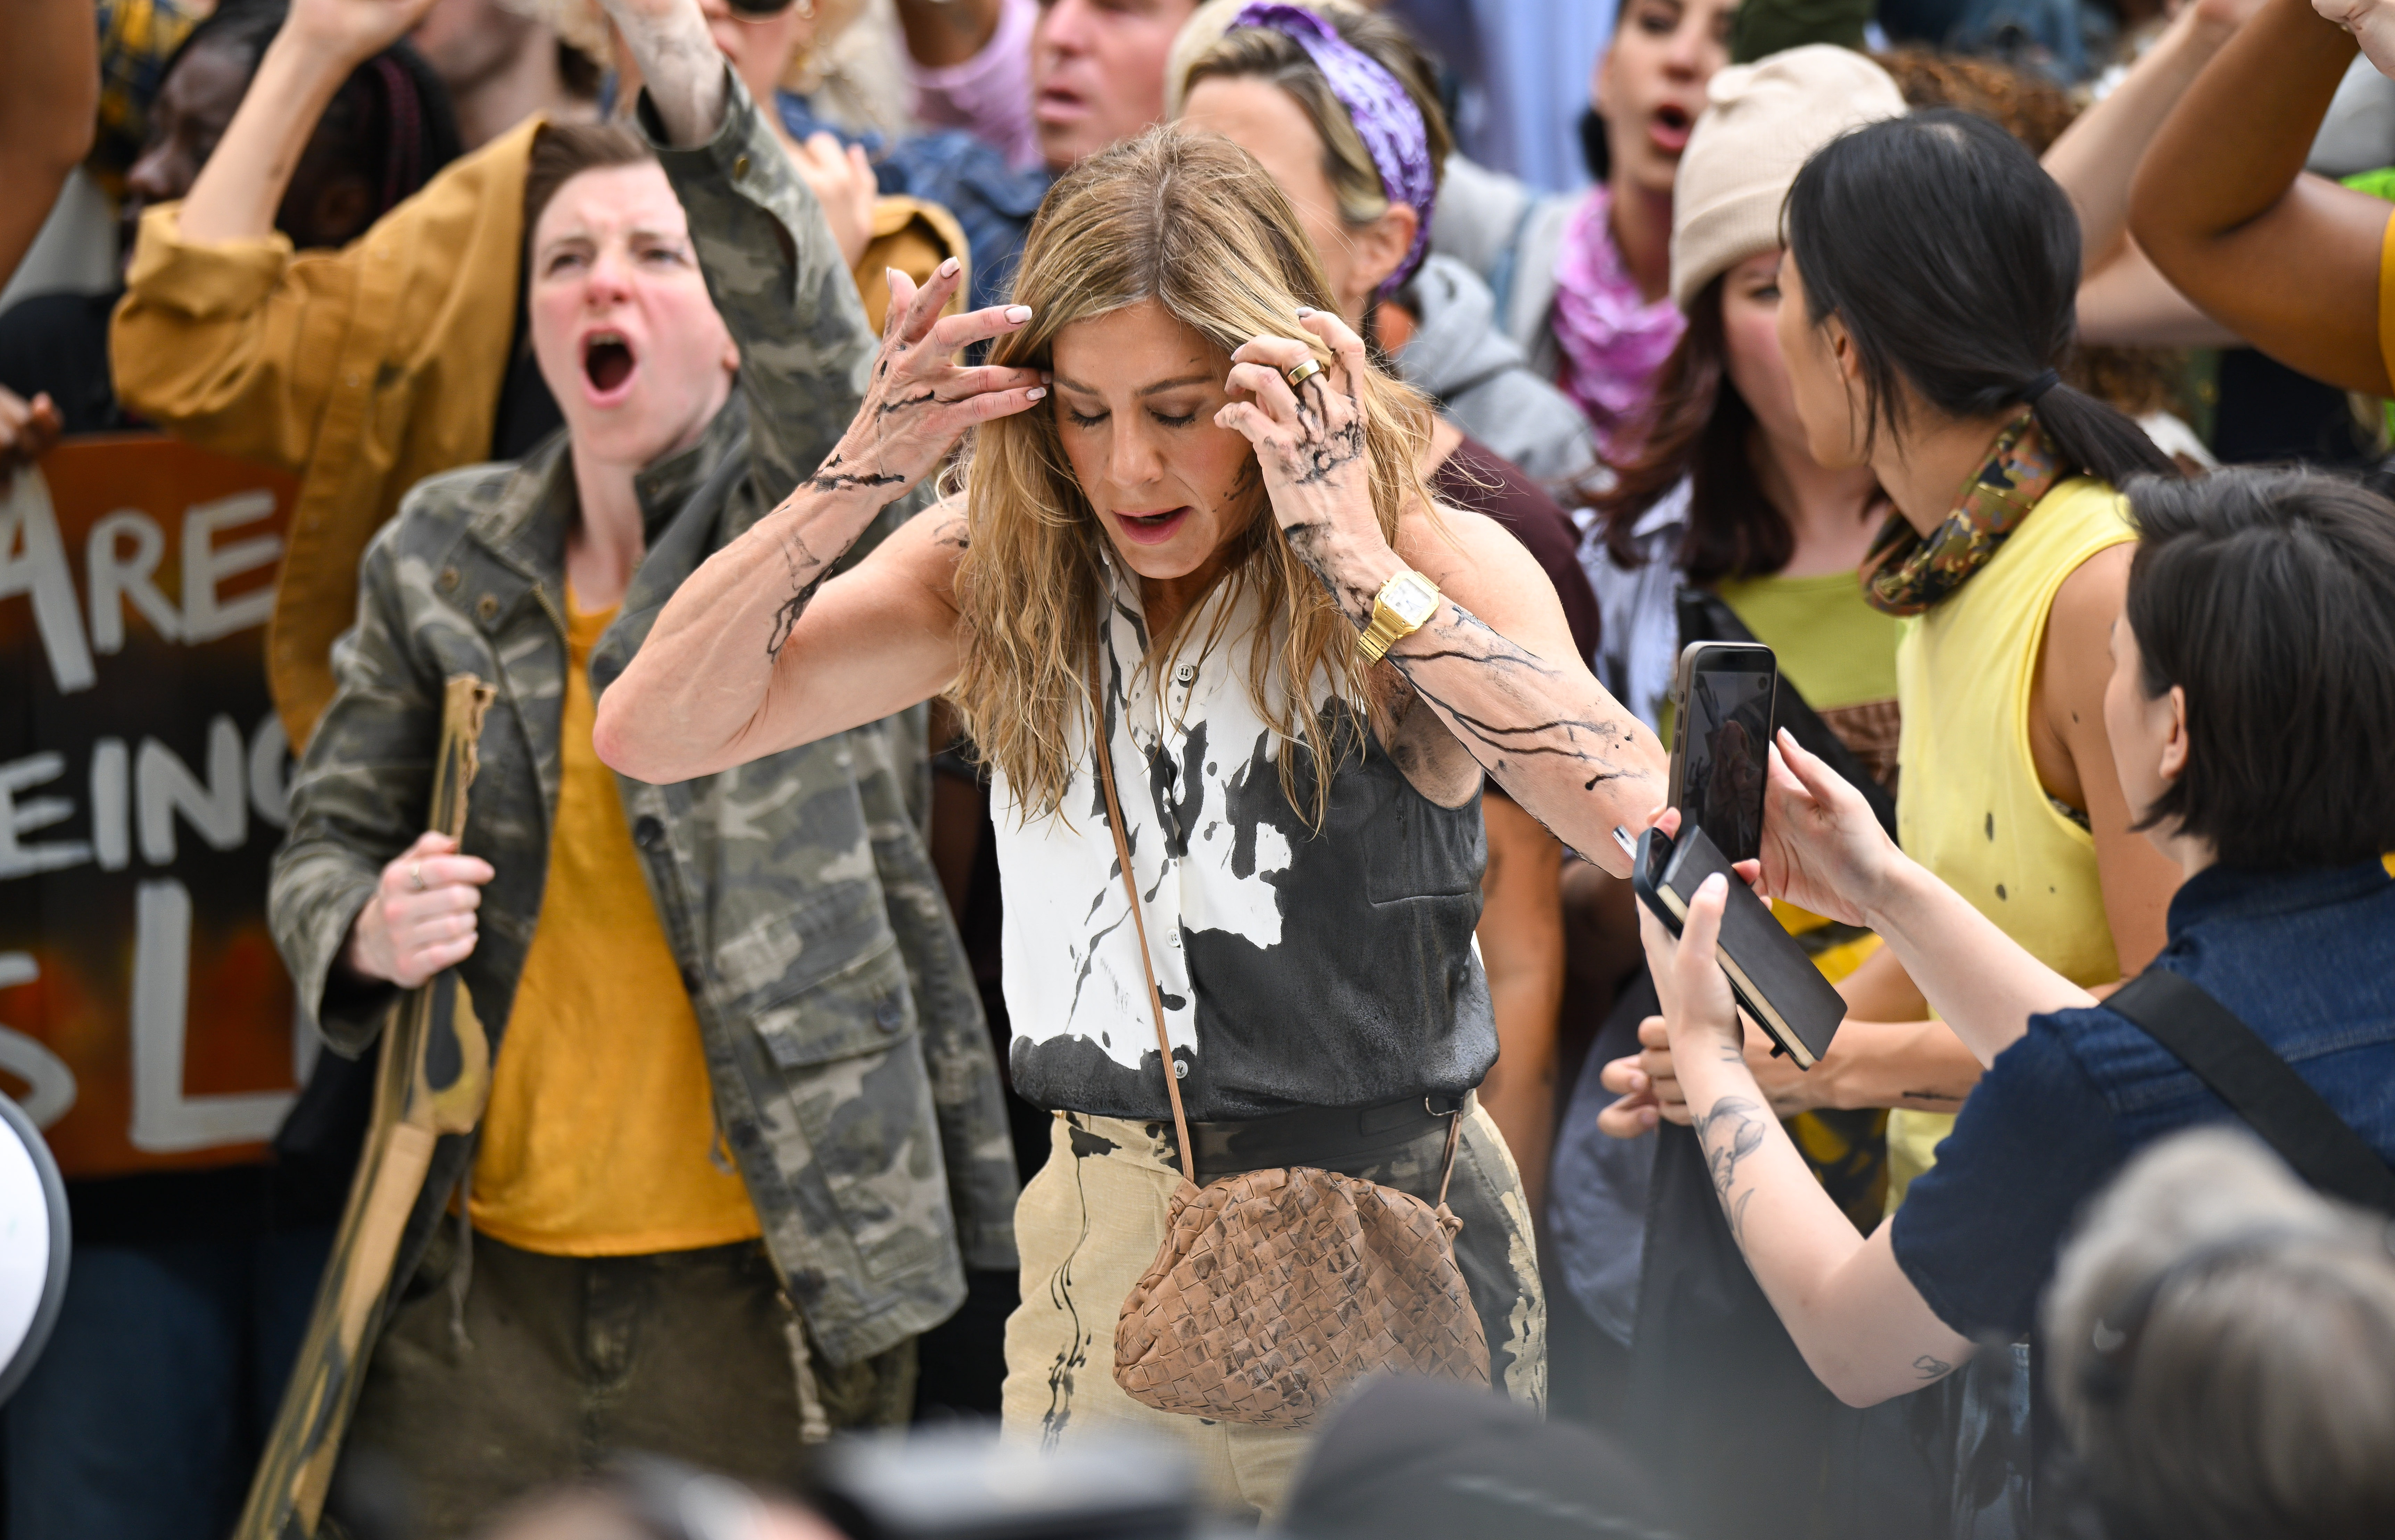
1404, 604
1379, 636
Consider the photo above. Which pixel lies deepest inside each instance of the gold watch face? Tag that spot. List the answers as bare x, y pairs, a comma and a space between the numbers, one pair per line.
1412, 600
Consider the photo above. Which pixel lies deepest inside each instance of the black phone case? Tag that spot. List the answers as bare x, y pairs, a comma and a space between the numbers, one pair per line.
1775, 982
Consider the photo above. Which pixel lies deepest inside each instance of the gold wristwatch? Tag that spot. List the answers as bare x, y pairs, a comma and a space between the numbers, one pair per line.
1403, 606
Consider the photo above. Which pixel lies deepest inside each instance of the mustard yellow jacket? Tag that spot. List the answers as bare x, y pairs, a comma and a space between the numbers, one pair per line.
364, 370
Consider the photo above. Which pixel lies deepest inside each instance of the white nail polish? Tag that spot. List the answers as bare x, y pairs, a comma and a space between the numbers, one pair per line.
1039, 392
1018, 314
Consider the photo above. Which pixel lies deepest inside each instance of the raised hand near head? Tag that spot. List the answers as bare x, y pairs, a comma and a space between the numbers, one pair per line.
353, 31
921, 400
1306, 421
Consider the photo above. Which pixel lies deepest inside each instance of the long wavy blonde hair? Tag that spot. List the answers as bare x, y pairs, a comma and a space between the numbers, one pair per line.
1195, 225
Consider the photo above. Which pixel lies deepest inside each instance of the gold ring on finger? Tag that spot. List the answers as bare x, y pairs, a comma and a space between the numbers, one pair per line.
416, 876
1302, 373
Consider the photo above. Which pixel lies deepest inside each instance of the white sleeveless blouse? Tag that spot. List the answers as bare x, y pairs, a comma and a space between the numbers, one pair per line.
1297, 967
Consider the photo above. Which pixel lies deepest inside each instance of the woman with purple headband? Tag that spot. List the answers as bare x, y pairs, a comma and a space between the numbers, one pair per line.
1192, 543
1341, 107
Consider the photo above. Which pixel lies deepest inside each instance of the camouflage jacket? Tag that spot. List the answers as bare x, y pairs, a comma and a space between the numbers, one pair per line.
853, 1075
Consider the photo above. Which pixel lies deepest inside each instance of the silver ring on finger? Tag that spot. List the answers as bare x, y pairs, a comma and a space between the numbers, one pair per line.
1302, 373
415, 876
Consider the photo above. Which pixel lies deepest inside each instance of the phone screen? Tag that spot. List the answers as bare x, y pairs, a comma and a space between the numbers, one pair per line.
1724, 747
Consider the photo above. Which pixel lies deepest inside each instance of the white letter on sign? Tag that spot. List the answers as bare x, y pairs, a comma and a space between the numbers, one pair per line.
163, 787
204, 565
33, 561
40, 812
51, 1086
114, 578
164, 1120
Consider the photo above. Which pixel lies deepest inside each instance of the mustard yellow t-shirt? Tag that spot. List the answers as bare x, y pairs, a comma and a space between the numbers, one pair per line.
599, 1140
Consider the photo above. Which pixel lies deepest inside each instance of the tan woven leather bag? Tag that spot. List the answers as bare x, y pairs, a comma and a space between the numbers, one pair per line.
1276, 1289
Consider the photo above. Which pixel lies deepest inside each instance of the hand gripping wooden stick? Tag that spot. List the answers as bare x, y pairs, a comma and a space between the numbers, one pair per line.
434, 1077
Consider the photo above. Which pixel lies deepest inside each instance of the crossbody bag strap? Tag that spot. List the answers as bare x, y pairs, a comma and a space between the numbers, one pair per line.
1138, 926
1147, 967
1447, 1161
2259, 1086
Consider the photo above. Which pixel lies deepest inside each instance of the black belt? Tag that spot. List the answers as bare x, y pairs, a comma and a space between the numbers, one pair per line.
1346, 1139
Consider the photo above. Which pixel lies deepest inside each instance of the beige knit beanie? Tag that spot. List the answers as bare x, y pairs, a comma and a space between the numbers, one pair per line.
1762, 122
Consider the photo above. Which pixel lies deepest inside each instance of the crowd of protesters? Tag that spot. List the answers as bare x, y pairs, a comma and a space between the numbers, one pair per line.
835, 436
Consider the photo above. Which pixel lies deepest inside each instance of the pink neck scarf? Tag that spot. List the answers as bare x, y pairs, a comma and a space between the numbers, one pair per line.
1613, 341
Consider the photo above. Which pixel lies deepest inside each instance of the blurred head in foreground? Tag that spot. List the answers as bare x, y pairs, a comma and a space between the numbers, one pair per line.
2222, 1341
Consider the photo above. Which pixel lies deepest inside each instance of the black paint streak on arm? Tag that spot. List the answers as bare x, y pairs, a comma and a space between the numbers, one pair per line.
1309, 540
829, 479
1471, 640
807, 572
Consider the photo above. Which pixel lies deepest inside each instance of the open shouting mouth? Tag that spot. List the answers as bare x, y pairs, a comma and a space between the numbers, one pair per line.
608, 365
1668, 130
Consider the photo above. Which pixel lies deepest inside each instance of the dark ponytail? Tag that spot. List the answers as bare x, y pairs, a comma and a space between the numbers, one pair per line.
1952, 259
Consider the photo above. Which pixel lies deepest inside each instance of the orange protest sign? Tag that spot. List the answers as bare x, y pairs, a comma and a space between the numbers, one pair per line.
145, 1019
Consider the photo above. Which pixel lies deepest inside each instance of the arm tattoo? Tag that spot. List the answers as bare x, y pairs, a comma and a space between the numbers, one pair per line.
1930, 1368
1733, 1130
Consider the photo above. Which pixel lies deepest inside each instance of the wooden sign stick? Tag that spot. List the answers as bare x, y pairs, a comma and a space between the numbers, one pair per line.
432, 1078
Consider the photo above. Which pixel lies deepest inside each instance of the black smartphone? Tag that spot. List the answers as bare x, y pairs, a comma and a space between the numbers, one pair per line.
1772, 980
1722, 704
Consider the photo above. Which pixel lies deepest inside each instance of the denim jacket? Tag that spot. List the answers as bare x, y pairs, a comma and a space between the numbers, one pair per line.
2306, 958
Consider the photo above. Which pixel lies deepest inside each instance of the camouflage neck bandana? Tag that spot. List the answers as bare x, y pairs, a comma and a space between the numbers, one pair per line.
1906, 572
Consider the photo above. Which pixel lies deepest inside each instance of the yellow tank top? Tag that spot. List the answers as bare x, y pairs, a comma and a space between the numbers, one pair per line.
1969, 806
2386, 303
599, 1138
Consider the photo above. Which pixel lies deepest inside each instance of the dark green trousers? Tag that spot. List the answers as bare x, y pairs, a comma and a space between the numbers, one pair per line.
565, 1360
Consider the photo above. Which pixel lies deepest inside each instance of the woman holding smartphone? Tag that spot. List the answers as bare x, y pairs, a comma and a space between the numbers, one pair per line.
1931, 360
1192, 522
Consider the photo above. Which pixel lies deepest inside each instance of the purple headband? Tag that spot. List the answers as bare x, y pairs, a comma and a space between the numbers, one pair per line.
1384, 114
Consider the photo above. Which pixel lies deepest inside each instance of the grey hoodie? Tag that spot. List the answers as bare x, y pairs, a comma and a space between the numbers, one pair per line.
1482, 381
